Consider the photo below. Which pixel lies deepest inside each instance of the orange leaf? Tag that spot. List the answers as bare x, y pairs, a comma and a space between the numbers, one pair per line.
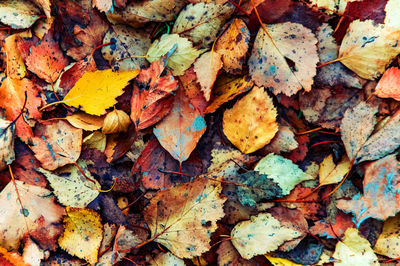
180, 131
389, 84
192, 90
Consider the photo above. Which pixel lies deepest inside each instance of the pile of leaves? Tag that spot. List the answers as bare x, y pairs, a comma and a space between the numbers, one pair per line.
205, 132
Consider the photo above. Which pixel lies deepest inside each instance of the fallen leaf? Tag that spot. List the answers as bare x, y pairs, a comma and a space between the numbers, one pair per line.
391, 9
71, 187
181, 129
7, 132
251, 123
96, 140
167, 259
206, 68
227, 255
83, 234
192, 88
15, 63
342, 222
381, 189
182, 57
56, 143
43, 26
45, 5
116, 121
125, 42
189, 214
13, 91
388, 241
11, 258
259, 235
103, 5
15, 222
268, 64
18, 14
388, 84
200, 22
46, 59
354, 250
331, 173
227, 88
336, 6
150, 89
32, 255
86, 122
95, 98
233, 46
284, 141
281, 262
368, 48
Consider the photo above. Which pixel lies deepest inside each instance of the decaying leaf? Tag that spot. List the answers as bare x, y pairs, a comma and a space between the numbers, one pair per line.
388, 241
354, 250
227, 255
71, 187
167, 259
15, 64
7, 132
96, 140
95, 97
181, 129
206, 68
83, 233
260, 235
268, 64
182, 217
368, 48
331, 173
56, 143
85, 121
251, 123
182, 57
116, 121
103, 5
18, 14
388, 85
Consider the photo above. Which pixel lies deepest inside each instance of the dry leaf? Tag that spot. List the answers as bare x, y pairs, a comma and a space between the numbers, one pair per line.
331, 173
368, 48
103, 5
388, 241
206, 68
193, 90
18, 14
116, 121
251, 123
86, 122
15, 64
227, 255
167, 259
388, 85
45, 6
183, 217
83, 234
7, 132
268, 66
56, 143
96, 140
95, 97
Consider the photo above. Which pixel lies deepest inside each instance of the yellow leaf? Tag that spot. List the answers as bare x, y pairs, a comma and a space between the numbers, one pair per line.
96, 91
86, 122
7, 133
368, 48
268, 65
181, 59
206, 68
83, 234
182, 218
281, 261
251, 123
18, 14
329, 173
16, 68
96, 140
262, 234
167, 259
388, 243
354, 250
116, 121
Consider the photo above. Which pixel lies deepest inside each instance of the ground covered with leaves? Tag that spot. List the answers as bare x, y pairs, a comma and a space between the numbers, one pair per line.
199, 132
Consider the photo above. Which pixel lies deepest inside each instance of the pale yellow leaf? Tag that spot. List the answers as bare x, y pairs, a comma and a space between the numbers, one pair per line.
331, 173
85, 121
388, 243
18, 14
96, 140
7, 132
96, 91
167, 259
281, 262
206, 68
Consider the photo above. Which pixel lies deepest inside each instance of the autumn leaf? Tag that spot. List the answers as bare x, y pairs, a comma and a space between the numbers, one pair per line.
16, 68
387, 243
56, 144
251, 123
150, 89
227, 255
103, 5
331, 173
268, 64
181, 58
18, 14
96, 140
181, 129
333, 229
167, 259
7, 132
86, 122
388, 85
233, 45
38, 211
95, 98
83, 233
206, 68
368, 48
116, 121
259, 235
192, 88
182, 217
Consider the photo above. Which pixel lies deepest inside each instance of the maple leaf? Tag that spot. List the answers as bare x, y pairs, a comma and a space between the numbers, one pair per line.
18, 14
387, 243
181, 129
368, 48
206, 68
381, 187
71, 187
259, 235
37, 211
180, 58
83, 233
275, 44
46, 59
251, 123
7, 132
126, 42
95, 98
388, 85
56, 143
233, 45
149, 90
182, 217
200, 22
354, 250
13, 91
